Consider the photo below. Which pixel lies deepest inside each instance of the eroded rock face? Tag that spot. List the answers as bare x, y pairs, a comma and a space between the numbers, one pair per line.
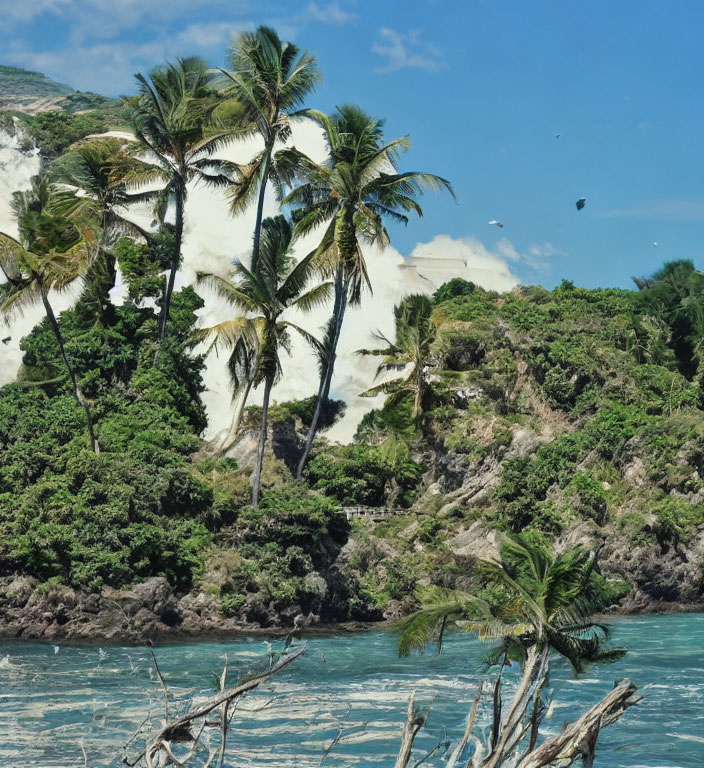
149, 609
477, 542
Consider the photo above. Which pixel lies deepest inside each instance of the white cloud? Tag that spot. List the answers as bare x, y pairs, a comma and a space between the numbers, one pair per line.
328, 14
101, 51
404, 50
104, 19
506, 248
109, 67
445, 257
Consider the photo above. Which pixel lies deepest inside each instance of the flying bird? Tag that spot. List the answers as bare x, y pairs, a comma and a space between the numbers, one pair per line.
656, 244
498, 223
580, 203
557, 135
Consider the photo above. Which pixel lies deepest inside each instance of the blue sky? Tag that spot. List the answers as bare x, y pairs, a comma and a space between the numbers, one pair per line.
482, 86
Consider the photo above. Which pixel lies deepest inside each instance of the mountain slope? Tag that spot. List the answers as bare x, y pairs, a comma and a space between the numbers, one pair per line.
32, 93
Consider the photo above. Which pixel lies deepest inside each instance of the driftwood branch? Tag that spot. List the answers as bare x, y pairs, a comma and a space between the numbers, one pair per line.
162, 681
199, 736
519, 726
225, 721
414, 722
462, 744
579, 738
159, 750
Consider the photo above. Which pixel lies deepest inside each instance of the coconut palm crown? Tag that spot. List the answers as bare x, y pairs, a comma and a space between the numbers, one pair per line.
172, 119
270, 79
549, 601
51, 254
85, 193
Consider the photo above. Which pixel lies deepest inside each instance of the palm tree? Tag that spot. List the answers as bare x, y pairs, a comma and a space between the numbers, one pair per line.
352, 192
548, 604
263, 294
270, 79
675, 294
409, 354
549, 598
51, 254
85, 193
172, 120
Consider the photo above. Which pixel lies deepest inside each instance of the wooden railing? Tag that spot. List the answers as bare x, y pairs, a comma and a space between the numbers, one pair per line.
376, 514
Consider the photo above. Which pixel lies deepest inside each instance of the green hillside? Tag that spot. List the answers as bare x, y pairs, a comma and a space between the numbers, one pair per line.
564, 414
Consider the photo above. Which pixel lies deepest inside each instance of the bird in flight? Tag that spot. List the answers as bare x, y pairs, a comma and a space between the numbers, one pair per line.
580, 203
656, 244
557, 135
498, 223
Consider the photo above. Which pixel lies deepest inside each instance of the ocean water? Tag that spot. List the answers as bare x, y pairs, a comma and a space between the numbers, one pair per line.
52, 698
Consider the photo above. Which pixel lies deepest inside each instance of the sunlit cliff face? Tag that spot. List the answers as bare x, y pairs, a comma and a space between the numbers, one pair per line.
213, 239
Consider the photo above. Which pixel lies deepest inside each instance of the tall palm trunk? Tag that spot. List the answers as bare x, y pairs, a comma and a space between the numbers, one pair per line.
80, 399
260, 207
338, 315
257, 474
231, 436
175, 260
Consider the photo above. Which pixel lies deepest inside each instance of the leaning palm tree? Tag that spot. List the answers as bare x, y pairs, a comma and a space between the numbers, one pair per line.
408, 354
548, 604
85, 193
547, 598
172, 121
270, 78
352, 193
50, 255
263, 294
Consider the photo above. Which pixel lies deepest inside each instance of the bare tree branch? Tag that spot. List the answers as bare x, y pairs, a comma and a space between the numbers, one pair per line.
459, 749
579, 738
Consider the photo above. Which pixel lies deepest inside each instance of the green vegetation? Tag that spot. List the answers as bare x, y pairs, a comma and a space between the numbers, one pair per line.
54, 132
538, 600
21, 86
535, 413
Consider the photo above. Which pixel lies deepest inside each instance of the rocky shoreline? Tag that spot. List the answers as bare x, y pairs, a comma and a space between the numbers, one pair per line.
152, 611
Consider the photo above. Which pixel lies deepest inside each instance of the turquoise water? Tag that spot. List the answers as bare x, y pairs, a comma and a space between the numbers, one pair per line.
50, 700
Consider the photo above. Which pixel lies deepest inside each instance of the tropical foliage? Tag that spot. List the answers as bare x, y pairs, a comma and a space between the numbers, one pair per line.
409, 354
269, 79
172, 121
532, 412
52, 254
352, 194
543, 599
264, 293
